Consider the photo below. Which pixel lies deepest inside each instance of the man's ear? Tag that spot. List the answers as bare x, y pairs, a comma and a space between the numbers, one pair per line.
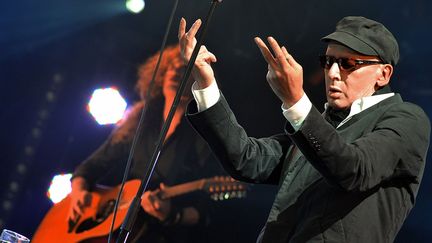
385, 75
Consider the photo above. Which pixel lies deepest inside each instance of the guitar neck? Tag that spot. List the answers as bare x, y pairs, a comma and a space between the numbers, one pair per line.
174, 191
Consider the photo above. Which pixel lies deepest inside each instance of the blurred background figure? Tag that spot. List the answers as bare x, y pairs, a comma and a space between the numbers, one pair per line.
185, 157
55, 54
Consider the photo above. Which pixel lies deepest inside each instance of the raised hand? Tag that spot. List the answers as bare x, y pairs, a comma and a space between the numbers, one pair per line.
285, 75
202, 71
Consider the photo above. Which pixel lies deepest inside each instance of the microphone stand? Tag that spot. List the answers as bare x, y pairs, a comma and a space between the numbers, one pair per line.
133, 210
141, 121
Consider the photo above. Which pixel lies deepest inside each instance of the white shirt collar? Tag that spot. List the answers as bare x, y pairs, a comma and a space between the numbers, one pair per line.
362, 104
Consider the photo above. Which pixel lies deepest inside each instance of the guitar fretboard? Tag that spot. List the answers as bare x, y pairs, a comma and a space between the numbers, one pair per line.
174, 191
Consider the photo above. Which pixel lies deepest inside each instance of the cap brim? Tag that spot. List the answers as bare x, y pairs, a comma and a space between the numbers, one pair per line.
351, 42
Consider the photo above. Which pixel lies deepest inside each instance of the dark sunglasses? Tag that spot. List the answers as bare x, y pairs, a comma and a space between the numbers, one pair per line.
344, 63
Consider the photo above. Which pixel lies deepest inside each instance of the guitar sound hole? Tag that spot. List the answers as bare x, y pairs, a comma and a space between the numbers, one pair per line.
103, 213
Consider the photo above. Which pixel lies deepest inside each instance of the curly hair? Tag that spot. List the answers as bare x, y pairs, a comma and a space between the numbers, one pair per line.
171, 59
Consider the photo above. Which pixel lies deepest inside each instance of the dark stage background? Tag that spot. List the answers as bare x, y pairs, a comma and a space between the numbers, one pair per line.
53, 54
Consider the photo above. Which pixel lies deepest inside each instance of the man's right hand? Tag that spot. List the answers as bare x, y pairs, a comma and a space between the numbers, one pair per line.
202, 71
285, 75
80, 198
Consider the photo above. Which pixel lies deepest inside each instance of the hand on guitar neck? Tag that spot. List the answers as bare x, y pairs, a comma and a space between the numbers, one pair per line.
156, 206
161, 208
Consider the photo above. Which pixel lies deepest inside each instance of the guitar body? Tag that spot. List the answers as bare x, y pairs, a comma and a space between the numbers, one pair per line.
95, 222
55, 226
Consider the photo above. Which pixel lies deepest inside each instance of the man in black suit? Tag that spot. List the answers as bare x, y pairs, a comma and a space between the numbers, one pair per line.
350, 174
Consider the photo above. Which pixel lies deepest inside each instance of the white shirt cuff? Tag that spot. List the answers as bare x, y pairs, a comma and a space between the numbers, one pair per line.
297, 113
206, 97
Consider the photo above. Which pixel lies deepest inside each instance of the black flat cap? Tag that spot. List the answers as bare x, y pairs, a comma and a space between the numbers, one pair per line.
367, 37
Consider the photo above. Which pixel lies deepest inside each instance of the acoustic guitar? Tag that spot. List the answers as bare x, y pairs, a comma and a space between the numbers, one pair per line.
97, 218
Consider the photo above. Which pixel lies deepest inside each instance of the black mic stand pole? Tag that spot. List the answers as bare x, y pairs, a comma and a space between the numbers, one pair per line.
126, 227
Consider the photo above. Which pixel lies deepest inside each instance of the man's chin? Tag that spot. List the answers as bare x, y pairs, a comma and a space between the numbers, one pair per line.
337, 104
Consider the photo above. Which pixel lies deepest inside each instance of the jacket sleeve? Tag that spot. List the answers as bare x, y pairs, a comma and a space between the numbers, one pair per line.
395, 148
245, 158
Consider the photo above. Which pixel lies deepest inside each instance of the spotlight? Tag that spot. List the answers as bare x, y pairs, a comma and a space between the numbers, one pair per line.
135, 6
60, 187
107, 106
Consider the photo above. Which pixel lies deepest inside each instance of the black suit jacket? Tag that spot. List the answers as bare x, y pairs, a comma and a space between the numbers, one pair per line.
356, 183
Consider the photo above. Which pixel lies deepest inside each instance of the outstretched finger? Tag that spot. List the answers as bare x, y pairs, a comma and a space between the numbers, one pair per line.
277, 50
194, 29
289, 57
182, 28
268, 56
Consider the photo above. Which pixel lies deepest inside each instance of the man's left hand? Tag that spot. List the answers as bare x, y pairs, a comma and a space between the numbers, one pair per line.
154, 205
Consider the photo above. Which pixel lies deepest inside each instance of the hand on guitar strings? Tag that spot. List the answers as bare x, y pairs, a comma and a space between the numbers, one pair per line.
80, 199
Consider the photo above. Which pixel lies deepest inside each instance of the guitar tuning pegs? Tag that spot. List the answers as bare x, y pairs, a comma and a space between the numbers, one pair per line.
214, 196
228, 195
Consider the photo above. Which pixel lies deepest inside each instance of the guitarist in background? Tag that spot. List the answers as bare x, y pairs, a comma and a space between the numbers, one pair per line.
185, 158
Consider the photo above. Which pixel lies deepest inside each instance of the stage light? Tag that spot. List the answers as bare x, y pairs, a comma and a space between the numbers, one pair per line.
107, 106
60, 187
135, 6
